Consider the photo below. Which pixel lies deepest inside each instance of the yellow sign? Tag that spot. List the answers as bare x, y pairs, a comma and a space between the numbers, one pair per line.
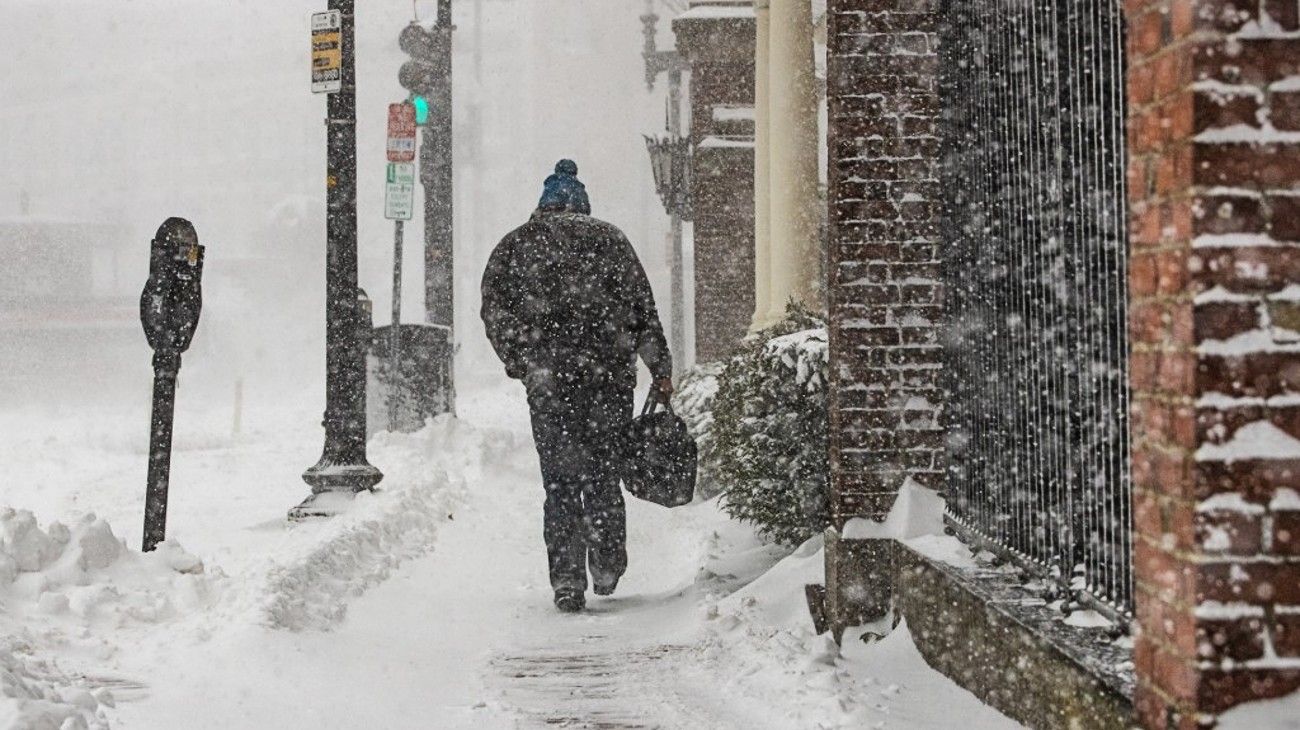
326, 52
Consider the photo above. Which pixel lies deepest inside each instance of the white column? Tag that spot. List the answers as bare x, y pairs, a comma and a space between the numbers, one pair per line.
793, 142
762, 173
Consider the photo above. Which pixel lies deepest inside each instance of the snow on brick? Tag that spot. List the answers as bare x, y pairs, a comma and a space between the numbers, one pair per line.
1285, 500
1235, 240
1246, 134
1246, 343
1217, 611
1220, 295
1258, 440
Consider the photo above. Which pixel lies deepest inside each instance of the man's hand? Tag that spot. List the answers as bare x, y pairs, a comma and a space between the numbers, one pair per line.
665, 386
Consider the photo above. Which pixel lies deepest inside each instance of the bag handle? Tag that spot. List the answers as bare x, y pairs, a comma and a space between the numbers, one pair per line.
654, 398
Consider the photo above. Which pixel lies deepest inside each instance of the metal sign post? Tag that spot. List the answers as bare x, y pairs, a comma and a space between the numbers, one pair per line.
399, 204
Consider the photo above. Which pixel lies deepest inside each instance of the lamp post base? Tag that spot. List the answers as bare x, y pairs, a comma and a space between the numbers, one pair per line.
333, 487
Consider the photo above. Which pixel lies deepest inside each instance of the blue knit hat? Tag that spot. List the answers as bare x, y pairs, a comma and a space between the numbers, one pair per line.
563, 190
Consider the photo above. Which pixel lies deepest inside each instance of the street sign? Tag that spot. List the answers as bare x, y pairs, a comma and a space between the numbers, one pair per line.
401, 133
326, 52
399, 191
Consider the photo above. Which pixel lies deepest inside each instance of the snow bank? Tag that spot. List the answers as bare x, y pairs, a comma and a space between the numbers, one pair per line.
36, 695
324, 564
762, 639
79, 597
87, 572
82, 574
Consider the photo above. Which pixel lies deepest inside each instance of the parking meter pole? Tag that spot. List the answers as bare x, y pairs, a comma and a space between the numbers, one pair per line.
343, 469
166, 366
170, 305
395, 336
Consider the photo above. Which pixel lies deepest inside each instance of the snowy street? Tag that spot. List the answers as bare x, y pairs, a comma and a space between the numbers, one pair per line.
429, 607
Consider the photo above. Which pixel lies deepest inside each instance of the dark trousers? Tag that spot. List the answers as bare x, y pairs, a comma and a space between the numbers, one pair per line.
577, 428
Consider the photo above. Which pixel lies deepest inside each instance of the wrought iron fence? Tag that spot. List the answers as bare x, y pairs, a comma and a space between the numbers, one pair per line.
1036, 284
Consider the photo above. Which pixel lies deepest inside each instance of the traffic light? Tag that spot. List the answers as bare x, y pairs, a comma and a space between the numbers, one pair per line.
421, 105
420, 75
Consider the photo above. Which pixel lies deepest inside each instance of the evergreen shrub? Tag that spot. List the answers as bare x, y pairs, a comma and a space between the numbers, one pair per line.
761, 426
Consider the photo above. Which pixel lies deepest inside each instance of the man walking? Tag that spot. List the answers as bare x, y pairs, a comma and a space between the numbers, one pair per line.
568, 309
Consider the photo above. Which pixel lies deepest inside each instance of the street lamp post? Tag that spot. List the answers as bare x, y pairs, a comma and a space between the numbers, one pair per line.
343, 469
672, 181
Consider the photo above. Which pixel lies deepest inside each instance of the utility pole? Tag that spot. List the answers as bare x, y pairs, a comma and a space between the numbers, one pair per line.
343, 469
437, 177
428, 77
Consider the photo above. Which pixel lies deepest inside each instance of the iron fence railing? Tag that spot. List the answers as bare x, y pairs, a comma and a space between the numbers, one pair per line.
1036, 284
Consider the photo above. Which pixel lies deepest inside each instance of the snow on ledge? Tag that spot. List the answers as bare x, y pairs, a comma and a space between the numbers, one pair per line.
726, 143
733, 113
1258, 440
708, 12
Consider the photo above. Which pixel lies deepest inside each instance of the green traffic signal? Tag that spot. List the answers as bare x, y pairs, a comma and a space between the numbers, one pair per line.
421, 105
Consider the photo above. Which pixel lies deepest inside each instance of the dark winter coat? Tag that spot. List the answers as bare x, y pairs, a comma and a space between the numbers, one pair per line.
565, 293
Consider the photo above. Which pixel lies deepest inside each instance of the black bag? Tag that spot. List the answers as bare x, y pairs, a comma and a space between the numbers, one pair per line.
659, 456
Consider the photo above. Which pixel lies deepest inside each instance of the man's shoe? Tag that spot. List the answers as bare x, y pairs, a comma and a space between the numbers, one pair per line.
604, 587
570, 600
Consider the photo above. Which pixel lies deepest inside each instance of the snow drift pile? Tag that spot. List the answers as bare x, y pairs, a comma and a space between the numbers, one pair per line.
82, 574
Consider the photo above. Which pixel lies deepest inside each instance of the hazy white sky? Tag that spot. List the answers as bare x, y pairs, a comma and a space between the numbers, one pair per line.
133, 110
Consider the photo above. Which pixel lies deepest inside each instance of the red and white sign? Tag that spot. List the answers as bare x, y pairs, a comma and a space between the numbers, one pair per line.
401, 133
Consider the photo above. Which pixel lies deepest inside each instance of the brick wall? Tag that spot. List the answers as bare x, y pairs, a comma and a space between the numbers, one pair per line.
720, 51
1214, 188
884, 291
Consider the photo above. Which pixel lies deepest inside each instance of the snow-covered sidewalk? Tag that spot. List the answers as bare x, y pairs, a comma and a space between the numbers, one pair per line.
428, 606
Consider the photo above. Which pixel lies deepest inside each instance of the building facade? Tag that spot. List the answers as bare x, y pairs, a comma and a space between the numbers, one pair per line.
717, 40
1062, 291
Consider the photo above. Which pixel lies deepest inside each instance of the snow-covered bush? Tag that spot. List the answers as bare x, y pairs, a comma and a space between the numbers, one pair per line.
766, 448
693, 401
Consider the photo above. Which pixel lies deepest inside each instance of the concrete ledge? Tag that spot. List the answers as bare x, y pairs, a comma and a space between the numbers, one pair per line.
996, 638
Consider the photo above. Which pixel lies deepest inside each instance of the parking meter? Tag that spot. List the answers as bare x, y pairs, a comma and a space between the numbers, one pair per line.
169, 312
173, 295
